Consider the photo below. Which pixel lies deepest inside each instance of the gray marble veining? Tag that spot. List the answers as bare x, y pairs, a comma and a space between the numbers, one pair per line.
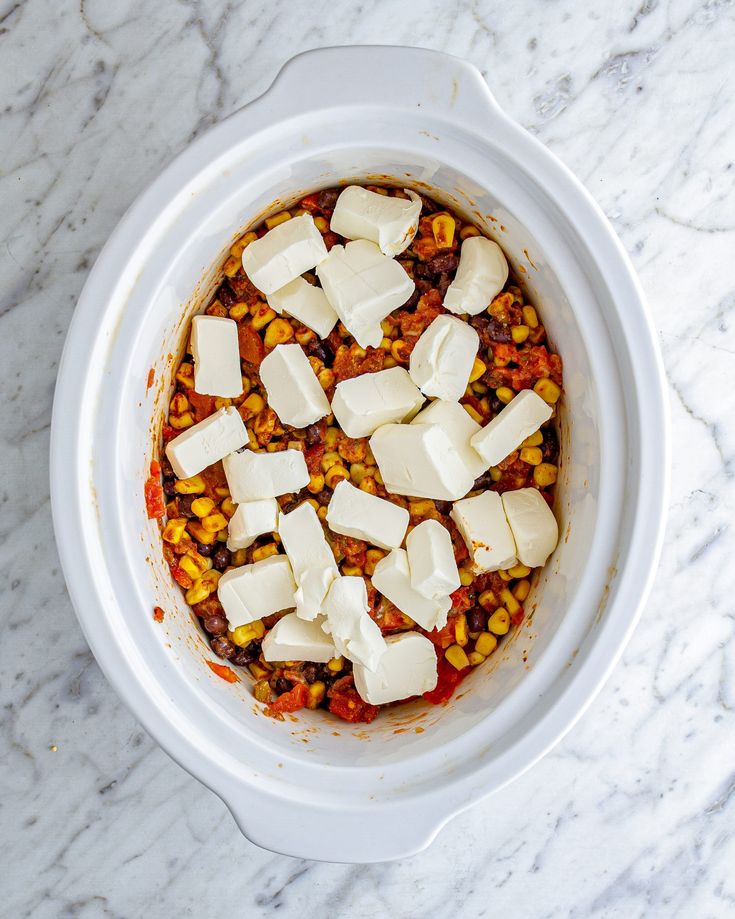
632, 815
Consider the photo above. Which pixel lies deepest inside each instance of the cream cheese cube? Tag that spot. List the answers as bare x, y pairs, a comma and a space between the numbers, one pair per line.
207, 442
216, 354
441, 362
364, 403
306, 303
313, 587
353, 512
420, 460
303, 539
481, 521
293, 390
363, 286
253, 591
452, 417
390, 222
250, 520
434, 572
407, 668
534, 525
520, 418
392, 577
481, 275
251, 476
292, 639
284, 253
348, 621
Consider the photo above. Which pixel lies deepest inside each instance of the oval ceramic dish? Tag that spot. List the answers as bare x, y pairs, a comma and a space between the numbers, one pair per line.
423, 120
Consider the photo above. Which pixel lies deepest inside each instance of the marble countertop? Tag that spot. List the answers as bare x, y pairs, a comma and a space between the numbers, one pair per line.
632, 815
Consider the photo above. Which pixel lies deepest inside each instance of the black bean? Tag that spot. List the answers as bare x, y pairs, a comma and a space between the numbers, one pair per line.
444, 507
322, 351
223, 647
324, 497
496, 405
327, 198
204, 549
428, 206
282, 685
215, 625
166, 468
226, 295
442, 263
313, 434
423, 270
483, 481
184, 503
169, 487
222, 558
423, 287
243, 657
550, 446
490, 330
443, 283
311, 672
476, 619
412, 301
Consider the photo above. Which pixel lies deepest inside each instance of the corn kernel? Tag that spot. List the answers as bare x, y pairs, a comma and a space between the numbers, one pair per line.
242, 636
211, 577
228, 507
239, 311
505, 394
531, 455
232, 266
316, 483
277, 219
486, 644
495, 474
442, 226
199, 591
174, 530
545, 474
499, 622
262, 315
475, 658
351, 571
399, 352
253, 405
239, 557
389, 362
278, 332
478, 368
179, 422
191, 486
533, 440
460, 630
372, 557
178, 404
456, 657
266, 551
336, 664
369, 485
262, 691
213, 523
479, 388
334, 474
330, 458
326, 378
519, 333
473, 413
530, 317
548, 390
322, 513
467, 231
522, 590
422, 508
510, 602
466, 577
519, 571
185, 375
194, 565
487, 600
505, 576
242, 243
202, 506
387, 326
259, 671
322, 224
200, 534
317, 691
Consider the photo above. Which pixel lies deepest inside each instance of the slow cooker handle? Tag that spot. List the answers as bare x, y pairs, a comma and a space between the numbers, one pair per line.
382, 75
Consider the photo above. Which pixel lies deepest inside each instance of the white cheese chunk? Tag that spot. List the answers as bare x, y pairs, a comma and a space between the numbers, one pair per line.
362, 404
420, 460
484, 528
292, 639
390, 222
252, 591
461, 429
284, 253
251, 475
520, 418
363, 286
303, 539
434, 572
250, 520
441, 362
306, 303
534, 525
392, 577
353, 512
407, 668
293, 390
216, 356
354, 633
207, 442
481, 275
313, 587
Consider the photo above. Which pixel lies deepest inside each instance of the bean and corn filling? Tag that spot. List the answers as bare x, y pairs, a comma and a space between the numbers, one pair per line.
513, 356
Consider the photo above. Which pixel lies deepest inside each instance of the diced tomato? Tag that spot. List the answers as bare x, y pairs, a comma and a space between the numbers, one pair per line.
203, 405
251, 344
313, 456
517, 617
151, 378
461, 600
490, 580
290, 701
448, 680
442, 638
330, 239
389, 617
214, 478
311, 202
181, 577
155, 500
353, 549
348, 363
346, 703
158, 614
168, 433
224, 672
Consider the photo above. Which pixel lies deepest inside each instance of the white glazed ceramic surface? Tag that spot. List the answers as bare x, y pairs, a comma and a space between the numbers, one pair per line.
379, 791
